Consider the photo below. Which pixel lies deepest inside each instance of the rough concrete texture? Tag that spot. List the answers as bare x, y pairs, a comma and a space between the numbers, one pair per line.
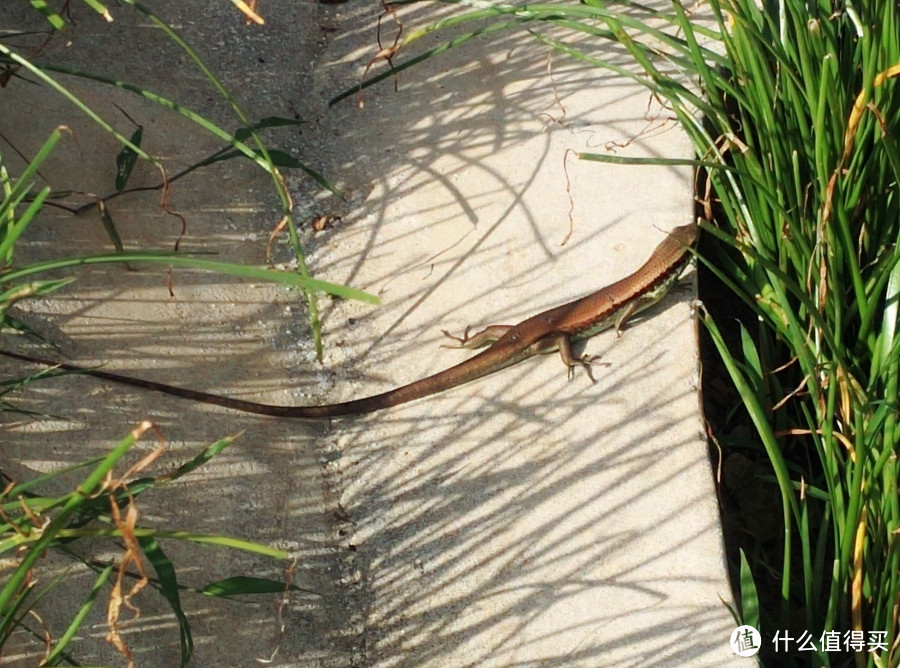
522, 520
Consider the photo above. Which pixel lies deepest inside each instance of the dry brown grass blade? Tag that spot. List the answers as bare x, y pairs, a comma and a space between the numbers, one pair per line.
857, 584
132, 555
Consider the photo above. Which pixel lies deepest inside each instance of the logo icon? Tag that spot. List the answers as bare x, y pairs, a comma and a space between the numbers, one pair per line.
745, 641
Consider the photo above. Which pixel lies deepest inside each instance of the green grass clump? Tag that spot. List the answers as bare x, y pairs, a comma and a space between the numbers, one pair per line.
101, 514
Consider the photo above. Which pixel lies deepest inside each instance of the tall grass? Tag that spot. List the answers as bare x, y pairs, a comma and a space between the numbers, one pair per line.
792, 108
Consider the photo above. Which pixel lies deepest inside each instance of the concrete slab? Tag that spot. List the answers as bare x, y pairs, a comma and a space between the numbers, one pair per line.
522, 520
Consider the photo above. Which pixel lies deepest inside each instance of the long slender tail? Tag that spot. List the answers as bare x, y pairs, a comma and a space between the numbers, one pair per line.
463, 372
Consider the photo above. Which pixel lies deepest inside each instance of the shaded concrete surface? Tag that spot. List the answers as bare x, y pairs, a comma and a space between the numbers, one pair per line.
522, 520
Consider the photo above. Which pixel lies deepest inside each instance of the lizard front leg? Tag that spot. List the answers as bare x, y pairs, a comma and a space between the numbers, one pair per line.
561, 343
624, 317
485, 337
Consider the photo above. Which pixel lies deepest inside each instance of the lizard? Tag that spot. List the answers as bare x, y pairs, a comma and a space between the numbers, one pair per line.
552, 330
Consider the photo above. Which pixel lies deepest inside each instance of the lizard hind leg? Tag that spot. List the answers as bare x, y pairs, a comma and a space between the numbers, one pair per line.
483, 338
